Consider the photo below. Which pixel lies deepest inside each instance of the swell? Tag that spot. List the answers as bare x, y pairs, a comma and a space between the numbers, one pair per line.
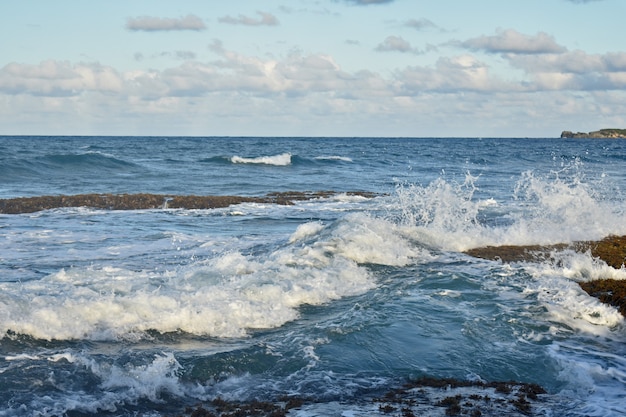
56, 163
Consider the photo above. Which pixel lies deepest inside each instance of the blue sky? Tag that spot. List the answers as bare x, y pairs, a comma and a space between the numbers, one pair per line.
312, 67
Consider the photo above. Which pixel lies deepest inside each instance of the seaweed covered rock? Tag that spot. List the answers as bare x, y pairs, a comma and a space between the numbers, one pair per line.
145, 201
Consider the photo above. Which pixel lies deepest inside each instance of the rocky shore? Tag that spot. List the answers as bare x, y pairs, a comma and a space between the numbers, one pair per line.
597, 134
611, 250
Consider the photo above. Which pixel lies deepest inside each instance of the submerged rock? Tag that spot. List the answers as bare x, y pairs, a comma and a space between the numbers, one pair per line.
422, 397
611, 250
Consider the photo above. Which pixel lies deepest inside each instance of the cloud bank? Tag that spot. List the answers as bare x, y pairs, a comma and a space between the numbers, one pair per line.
308, 74
313, 91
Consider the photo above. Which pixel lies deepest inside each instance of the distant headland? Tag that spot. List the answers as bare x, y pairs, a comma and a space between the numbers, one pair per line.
598, 134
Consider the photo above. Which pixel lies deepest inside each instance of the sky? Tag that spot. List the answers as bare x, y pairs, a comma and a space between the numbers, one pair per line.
410, 68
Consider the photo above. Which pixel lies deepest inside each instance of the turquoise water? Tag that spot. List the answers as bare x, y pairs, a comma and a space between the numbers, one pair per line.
126, 313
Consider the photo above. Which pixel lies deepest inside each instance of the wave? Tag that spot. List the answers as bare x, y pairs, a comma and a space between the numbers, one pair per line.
333, 158
320, 263
282, 159
89, 159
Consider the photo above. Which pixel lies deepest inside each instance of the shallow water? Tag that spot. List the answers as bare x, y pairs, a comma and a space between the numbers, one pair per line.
335, 299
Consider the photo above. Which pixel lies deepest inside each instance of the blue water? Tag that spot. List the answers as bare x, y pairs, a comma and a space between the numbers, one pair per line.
125, 313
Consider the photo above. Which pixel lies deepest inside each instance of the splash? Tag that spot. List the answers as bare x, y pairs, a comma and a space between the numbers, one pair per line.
557, 208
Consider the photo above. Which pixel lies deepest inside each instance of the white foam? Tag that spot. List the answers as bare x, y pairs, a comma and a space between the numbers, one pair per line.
21, 357
593, 385
306, 230
120, 384
366, 239
282, 159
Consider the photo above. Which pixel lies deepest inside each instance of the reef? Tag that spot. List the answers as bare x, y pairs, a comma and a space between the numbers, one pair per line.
597, 134
156, 201
611, 250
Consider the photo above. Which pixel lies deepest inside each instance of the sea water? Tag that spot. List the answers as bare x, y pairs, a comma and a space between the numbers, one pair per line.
144, 312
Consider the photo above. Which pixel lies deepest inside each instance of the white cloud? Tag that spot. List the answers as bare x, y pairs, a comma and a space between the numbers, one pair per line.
395, 44
399, 44
511, 41
155, 24
420, 24
265, 19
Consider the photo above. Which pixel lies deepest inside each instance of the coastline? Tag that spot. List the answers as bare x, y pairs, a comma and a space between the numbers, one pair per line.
596, 134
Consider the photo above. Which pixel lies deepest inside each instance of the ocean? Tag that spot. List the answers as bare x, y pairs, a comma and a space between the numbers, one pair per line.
334, 300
